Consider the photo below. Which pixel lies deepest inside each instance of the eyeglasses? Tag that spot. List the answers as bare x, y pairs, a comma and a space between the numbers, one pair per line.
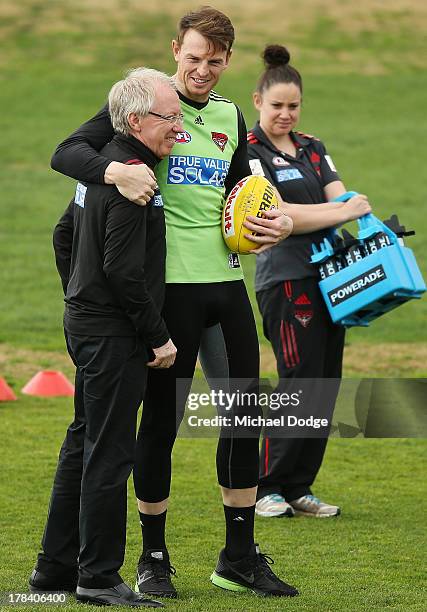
173, 119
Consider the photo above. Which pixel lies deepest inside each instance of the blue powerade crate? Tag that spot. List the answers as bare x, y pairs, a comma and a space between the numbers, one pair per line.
384, 277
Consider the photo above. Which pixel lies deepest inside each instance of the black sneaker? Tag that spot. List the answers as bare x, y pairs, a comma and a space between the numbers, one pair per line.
120, 595
252, 573
41, 583
153, 576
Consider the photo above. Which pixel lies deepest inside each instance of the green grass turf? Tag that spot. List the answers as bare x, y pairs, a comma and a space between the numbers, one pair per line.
370, 558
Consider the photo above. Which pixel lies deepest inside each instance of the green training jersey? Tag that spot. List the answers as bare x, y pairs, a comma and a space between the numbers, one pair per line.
191, 182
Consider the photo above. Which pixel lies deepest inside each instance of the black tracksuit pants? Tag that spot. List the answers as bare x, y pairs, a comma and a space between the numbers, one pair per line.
86, 521
188, 310
307, 345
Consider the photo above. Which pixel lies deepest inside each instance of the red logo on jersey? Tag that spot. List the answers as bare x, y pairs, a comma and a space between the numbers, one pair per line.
220, 139
304, 317
302, 299
315, 160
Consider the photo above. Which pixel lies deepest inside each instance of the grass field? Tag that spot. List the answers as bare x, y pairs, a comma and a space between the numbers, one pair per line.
365, 89
371, 558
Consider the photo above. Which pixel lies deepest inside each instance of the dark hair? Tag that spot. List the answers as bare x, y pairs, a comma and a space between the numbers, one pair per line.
277, 69
212, 24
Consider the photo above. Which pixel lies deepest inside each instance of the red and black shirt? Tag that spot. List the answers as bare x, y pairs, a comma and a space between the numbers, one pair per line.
299, 180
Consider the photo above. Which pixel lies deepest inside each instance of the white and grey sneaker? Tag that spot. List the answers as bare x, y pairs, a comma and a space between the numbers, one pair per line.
309, 505
273, 505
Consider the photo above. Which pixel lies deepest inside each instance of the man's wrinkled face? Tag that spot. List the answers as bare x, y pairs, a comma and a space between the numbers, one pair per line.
199, 65
158, 133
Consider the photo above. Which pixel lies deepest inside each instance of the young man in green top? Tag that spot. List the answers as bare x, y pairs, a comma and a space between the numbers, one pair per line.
204, 287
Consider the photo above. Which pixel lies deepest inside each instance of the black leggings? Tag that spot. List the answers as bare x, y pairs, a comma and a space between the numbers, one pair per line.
307, 345
188, 310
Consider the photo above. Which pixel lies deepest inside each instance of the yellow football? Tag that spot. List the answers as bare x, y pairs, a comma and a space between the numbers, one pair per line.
253, 195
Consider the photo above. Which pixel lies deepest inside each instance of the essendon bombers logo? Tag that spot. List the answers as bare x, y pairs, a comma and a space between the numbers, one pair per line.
315, 160
304, 317
220, 139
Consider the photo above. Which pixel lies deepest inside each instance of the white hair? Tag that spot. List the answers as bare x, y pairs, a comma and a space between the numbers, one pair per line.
134, 94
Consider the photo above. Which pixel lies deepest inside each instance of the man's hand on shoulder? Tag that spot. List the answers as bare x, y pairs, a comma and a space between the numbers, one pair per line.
135, 182
164, 356
272, 229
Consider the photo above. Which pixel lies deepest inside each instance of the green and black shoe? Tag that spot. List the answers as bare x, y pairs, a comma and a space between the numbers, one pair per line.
252, 573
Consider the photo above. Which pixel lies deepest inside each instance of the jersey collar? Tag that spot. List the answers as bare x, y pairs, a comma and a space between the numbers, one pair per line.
193, 103
298, 139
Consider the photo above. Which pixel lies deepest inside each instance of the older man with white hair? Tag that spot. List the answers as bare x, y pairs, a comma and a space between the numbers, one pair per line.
111, 258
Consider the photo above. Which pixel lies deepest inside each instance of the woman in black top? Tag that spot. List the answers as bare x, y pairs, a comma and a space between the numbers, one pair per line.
305, 341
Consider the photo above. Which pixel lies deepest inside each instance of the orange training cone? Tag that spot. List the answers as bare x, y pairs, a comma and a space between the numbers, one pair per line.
6, 393
49, 383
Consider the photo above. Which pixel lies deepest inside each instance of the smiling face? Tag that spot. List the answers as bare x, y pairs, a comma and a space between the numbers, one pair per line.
279, 109
158, 134
199, 65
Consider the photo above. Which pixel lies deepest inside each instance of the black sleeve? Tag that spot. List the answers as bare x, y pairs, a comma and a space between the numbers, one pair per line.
125, 238
258, 164
239, 167
62, 244
328, 172
77, 155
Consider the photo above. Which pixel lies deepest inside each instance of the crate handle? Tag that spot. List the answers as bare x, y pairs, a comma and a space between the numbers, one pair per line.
368, 224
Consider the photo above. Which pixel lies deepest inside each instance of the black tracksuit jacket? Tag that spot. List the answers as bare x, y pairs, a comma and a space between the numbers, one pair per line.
110, 254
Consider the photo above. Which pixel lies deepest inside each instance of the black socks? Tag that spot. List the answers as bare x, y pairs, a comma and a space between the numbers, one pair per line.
239, 531
239, 524
153, 531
